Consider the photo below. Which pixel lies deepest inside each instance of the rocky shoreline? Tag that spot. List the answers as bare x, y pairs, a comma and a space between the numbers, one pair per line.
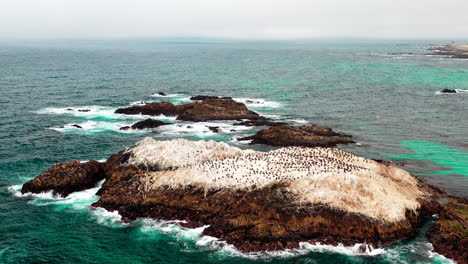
306, 136
459, 51
304, 191
268, 214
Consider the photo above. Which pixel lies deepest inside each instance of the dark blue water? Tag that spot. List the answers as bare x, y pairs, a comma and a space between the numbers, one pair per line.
385, 99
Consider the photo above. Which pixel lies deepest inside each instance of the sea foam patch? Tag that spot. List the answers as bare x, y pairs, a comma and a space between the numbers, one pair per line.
201, 129
228, 250
258, 103
91, 127
88, 112
76, 200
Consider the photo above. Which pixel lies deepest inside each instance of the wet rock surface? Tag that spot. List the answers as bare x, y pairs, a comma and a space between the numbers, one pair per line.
145, 124
449, 234
306, 136
65, 178
208, 109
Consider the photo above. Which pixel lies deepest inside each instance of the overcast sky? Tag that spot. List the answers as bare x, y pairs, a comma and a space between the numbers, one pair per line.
240, 19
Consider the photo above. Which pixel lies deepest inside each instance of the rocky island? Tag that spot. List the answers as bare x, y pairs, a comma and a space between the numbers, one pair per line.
209, 108
269, 200
459, 51
306, 136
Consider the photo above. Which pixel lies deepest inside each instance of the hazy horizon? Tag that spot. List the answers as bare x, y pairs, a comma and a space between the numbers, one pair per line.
234, 20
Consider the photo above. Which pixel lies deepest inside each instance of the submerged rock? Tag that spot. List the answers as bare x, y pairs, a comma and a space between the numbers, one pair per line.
214, 129
209, 109
77, 126
65, 178
145, 124
307, 136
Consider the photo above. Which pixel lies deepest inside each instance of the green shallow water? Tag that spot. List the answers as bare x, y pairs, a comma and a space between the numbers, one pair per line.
386, 100
443, 155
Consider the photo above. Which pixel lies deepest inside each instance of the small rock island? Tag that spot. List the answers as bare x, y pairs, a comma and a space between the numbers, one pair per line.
459, 51
272, 200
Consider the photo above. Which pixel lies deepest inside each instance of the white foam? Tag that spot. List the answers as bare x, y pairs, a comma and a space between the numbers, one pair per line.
212, 243
173, 228
107, 218
91, 127
258, 103
201, 129
423, 249
150, 226
88, 112
78, 200
141, 103
299, 121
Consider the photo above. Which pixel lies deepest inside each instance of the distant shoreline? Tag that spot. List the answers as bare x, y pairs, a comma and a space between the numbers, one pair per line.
459, 51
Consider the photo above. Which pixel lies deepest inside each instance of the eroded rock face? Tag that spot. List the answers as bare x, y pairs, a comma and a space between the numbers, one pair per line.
262, 219
307, 136
208, 109
145, 124
449, 234
65, 178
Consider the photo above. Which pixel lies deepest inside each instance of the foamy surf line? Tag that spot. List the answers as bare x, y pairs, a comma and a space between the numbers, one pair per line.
91, 127
99, 112
78, 200
208, 243
83, 199
201, 129
258, 103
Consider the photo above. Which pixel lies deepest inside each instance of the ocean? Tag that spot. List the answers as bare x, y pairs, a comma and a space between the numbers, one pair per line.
383, 93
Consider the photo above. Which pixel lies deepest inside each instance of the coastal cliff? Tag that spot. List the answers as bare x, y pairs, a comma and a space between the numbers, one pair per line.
274, 200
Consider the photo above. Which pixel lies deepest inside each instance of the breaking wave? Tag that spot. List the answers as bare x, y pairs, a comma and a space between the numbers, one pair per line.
193, 238
78, 200
258, 103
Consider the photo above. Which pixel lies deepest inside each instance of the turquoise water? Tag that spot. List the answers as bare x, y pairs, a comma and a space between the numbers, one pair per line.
386, 100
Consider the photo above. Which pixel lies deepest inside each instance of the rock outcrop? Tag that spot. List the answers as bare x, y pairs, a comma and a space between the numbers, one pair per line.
208, 109
268, 200
65, 178
449, 234
145, 124
459, 51
306, 136
448, 91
